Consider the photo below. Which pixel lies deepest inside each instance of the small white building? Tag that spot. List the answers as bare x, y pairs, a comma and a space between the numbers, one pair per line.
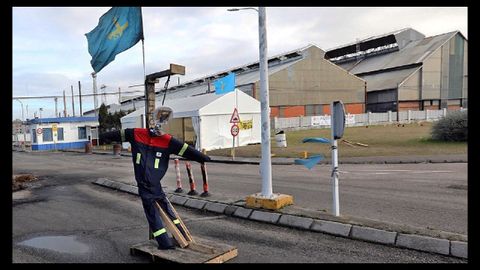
205, 119
62, 132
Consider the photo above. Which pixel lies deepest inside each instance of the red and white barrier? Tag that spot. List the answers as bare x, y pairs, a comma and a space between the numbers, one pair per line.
205, 180
179, 182
191, 179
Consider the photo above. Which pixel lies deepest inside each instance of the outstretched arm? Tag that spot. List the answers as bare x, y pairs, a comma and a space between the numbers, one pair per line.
118, 136
184, 150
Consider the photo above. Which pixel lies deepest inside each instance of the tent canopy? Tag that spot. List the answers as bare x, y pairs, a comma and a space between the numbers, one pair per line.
210, 118
206, 104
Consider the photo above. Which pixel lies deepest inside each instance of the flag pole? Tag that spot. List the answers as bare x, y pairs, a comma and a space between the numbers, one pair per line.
144, 69
144, 79
143, 53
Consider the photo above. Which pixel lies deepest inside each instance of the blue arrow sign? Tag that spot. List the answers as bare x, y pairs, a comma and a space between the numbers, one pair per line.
309, 162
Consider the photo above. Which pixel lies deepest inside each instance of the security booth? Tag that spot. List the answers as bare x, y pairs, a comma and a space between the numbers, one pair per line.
61, 132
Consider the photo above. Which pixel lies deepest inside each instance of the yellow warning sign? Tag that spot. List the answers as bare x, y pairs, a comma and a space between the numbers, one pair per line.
248, 124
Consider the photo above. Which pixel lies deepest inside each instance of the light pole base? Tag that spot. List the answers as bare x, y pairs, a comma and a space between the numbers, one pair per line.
276, 202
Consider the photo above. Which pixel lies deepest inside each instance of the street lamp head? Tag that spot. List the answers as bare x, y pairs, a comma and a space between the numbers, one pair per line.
237, 9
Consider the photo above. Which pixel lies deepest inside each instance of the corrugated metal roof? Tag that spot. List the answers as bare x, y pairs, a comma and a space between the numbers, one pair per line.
243, 78
413, 53
246, 74
387, 80
396, 32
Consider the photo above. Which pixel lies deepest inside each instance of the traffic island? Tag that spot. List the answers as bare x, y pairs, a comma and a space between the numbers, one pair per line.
275, 202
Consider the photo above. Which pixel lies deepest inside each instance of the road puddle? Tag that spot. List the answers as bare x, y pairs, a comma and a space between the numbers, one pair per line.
63, 244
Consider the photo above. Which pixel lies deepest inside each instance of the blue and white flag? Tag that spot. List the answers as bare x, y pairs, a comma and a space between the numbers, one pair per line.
117, 31
225, 84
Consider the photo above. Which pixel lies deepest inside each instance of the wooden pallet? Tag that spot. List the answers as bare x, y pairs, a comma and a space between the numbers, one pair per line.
188, 250
201, 251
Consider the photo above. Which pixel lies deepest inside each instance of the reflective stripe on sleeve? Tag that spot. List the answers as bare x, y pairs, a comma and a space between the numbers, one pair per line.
159, 232
138, 158
176, 221
156, 163
185, 146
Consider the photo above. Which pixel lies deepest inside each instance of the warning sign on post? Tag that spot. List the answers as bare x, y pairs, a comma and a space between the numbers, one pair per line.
235, 118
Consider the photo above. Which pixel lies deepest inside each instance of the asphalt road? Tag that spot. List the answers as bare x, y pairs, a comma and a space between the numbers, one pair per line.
95, 224
429, 196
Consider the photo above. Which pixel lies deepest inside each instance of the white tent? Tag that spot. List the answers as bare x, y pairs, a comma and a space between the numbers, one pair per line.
211, 114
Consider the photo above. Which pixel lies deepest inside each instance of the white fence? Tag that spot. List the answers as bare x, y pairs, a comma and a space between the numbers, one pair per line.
364, 119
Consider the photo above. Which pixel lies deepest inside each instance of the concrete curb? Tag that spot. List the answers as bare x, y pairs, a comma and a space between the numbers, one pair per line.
373, 235
409, 241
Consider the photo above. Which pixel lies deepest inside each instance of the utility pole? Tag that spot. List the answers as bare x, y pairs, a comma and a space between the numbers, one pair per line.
104, 98
64, 105
150, 81
56, 111
266, 167
73, 101
23, 127
80, 97
266, 196
119, 96
27, 111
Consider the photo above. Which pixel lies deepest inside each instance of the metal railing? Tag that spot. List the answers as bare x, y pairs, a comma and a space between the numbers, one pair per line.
364, 119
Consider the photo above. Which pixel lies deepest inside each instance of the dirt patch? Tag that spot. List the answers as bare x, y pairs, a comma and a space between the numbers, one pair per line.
21, 181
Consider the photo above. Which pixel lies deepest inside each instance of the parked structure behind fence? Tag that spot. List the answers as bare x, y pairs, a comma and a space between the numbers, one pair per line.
364, 119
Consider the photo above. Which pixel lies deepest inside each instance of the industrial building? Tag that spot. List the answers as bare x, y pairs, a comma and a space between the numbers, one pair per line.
301, 83
405, 70
61, 132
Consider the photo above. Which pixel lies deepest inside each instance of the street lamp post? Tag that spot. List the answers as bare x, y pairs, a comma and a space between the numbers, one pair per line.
23, 126
266, 163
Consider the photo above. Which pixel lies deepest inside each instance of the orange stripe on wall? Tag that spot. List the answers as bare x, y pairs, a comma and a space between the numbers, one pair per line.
293, 111
274, 112
354, 108
409, 105
326, 109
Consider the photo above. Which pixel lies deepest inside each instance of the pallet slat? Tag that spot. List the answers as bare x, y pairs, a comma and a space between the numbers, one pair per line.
212, 252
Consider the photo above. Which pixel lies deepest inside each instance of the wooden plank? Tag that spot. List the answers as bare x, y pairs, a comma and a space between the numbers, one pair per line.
221, 252
188, 236
172, 228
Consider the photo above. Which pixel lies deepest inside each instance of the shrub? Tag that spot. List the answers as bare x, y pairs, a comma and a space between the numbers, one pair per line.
453, 127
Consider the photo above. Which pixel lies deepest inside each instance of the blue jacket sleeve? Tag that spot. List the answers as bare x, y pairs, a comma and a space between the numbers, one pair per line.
184, 150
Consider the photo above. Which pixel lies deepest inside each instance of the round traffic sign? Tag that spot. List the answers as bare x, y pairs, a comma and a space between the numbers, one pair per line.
234, 130
39, 130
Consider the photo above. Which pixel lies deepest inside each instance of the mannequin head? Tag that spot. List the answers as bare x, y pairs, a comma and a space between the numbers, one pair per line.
161, 116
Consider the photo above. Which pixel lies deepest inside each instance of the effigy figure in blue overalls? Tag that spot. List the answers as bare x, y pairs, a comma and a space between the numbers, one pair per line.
151, 149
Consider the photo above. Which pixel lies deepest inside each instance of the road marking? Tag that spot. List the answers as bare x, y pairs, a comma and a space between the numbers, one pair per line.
393, 171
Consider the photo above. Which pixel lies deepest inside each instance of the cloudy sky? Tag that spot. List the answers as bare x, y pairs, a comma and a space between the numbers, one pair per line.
50, 51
